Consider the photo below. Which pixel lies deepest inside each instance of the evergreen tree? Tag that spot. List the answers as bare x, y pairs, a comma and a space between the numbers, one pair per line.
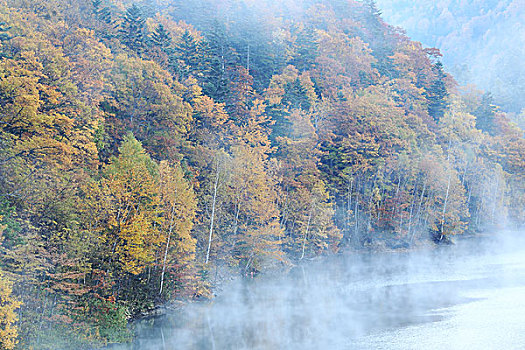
437, 93
219, 56
101, 13
485, 114
161, 38
373, 10
306, 48
185, 59
132, 29
4, 36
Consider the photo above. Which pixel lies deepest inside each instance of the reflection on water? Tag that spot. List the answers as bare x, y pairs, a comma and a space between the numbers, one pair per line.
468, 296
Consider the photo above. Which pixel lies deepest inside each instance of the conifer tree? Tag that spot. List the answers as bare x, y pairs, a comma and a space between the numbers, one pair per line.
189, 56
4, 37
306, 47
219, 56
101, 13
437, 93
132, 29
485, 114
161, 38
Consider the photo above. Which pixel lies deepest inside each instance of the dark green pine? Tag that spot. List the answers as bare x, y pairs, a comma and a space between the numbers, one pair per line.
132, 29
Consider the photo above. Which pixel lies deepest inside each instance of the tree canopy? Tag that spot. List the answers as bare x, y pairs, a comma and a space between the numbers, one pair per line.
148, 147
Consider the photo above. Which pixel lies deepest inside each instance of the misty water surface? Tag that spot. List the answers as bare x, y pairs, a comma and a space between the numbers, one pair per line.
467, 296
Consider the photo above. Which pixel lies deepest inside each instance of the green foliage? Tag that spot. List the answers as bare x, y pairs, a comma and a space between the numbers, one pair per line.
161, 38
4, 37
486, 114
132, 29
190, 57
306, 48
10, 225
111, 320
219, 56
437, 93
101, 13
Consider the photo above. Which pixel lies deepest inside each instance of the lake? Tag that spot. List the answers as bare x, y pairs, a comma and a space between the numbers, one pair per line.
467, 296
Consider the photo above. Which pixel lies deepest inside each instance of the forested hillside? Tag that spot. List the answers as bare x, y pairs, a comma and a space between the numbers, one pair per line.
483, 41
147, 147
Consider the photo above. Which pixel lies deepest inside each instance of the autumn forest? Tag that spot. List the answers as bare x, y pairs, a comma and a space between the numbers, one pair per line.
149, 149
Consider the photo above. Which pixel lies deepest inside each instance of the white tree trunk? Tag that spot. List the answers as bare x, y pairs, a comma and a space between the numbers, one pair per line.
307, 228
172, 219
212, 212
445, 204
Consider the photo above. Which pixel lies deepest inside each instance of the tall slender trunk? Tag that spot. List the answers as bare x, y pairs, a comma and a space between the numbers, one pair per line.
236, 222
284, 220
411, 210
464, 175
445, 205
481, 205
469, 195
396, 198
380, 206
349, 205
307, 228
212, 212
419, 207
172, 219
370, 202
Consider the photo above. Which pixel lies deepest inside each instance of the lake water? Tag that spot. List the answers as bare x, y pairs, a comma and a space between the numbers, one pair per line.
467, 296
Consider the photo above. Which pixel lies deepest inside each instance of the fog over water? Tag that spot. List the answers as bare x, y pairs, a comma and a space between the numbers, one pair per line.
467, 296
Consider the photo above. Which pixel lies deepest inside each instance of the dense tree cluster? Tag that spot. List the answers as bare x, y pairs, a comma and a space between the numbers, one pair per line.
147, 147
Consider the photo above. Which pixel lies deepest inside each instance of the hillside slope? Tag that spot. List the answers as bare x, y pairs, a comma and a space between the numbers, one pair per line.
148, 147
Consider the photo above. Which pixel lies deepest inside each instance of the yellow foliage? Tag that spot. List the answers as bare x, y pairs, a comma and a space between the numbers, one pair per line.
179, 208
8, 317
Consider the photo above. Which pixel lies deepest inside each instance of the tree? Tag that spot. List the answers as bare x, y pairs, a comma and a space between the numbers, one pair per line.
8, 305
90, 62
101, 13
437, 93
132, 29
305, 46
45, 130
254, 196
219, 57
179, 206
161, 38
485, 114
146, 100
129, 221
8, 317
4, 37
189, 56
